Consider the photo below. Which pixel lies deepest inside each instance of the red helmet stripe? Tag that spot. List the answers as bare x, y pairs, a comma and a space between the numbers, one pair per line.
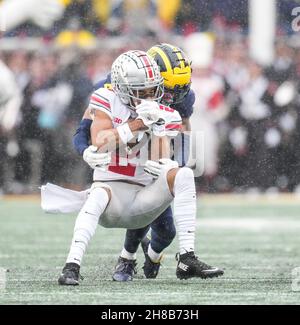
148, 66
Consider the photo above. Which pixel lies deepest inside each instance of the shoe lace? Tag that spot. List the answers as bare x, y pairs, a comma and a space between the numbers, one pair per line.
127, 266
195, 259
190, 254
202, 265
74, 271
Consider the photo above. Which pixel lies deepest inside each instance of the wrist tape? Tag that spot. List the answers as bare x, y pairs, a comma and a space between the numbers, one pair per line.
125, 133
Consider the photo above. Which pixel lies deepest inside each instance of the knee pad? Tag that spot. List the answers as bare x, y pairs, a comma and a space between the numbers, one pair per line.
100, 185
184, 179
91, 211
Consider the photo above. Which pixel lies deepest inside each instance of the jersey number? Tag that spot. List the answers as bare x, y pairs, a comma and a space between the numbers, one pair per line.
115, 167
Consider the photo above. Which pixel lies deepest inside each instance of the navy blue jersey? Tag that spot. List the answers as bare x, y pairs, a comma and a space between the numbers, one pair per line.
103, 82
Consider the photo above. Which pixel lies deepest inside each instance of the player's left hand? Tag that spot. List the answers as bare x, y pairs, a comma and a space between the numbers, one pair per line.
159, 128
96, 159
148, 112
154, 168
169, 123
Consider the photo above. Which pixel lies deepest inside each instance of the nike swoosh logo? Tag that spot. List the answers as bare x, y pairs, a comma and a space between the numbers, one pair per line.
90, 213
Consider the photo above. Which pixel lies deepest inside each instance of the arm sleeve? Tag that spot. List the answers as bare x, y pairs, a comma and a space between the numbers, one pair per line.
82, 136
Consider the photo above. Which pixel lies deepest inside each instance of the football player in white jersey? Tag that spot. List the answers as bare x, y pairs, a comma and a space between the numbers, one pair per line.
175, 68
125, 195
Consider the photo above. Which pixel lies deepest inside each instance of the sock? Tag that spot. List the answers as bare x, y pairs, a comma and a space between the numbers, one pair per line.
154, 257
86, 224
128, 255
185, 209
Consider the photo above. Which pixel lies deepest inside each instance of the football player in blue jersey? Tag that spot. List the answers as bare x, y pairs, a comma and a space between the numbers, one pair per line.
176, 70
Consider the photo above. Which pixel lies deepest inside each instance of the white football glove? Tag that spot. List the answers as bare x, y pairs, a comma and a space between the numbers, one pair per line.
172, 123
159, 128
96, 159
154, 168
148, 112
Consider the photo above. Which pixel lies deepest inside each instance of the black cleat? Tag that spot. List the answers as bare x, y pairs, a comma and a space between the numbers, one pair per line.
70, 275
150, 268
189, 267
124, 270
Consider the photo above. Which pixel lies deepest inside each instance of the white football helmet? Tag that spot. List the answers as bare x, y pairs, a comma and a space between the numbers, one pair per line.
133, 74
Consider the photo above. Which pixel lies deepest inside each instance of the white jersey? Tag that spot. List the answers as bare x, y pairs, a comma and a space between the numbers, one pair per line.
122, 166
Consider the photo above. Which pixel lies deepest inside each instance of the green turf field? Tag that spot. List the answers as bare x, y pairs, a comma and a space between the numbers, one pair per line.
257, 242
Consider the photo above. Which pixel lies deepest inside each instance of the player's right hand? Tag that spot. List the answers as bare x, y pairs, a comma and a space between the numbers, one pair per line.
154, 168
96, 159
148, 112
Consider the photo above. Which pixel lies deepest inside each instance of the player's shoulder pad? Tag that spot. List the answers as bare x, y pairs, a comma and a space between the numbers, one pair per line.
188, 101
185, 108
101, 99
108, 86
190, 98
104, 94
102, 90
104, 83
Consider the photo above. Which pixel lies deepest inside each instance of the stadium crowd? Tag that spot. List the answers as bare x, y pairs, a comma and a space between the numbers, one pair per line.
250, 114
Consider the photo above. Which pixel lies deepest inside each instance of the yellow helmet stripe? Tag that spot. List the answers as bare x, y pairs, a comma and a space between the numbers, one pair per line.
164, 57
178, 53
181, 59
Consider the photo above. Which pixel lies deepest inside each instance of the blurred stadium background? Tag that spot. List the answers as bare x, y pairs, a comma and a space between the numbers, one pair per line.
246, 69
